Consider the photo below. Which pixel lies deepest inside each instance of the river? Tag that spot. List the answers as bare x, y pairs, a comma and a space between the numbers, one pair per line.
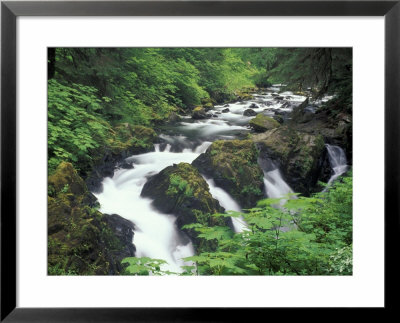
156, 235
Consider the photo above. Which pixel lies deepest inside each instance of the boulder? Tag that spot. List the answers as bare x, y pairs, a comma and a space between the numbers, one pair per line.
253, 106
208, 106
249, 113
181, 190
225, 110
299, 155
199, 113
233, 166
66, 179
263, 123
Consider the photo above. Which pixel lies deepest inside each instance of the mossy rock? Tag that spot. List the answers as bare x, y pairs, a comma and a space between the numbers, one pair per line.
263, 123
132, 138
81, 240
181, 190
65, 178
199, 113
242, 95
207, 101
233, 166
208, 106
298, 154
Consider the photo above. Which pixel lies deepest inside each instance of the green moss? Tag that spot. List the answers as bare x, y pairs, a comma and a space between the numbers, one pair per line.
80, 242
263, 123
179, 185
198, 109
233, 165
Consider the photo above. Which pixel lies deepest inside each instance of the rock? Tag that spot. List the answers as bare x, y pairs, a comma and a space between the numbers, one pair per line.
278, 118
253, 106
181, 190
249, 113
81, 240
215, 116
199, 113
298, 154
132, 140
269, 103
279, 98
286, 105
226, 105
233, 166
173, 118
299, 111
242, 96
263, 123
67, 180
208, 106
225, 110
125, 165
123, 231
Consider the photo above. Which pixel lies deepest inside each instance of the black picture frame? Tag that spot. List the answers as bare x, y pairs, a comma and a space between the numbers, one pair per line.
10, 10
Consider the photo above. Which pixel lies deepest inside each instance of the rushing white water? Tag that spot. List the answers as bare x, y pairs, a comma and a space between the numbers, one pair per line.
338, 161
275, 186
228, 203
156, 235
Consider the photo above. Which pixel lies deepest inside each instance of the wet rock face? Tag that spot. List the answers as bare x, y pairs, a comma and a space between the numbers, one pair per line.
263, 123
298, 154
233, 166
181, 190
249, 113
253, 106
123, 231
81, 240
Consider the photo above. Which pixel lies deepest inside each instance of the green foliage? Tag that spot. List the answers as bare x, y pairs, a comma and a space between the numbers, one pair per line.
144, 266
74, 128
178, 184
341, 262
306, 236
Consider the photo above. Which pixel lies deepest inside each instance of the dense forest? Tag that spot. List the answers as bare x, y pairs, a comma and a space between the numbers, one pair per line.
239, 158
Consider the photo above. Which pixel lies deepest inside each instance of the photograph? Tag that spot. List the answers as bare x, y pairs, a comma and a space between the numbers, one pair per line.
200, 161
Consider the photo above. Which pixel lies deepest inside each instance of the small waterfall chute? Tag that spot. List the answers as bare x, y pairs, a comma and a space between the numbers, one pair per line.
338, 162
228, 203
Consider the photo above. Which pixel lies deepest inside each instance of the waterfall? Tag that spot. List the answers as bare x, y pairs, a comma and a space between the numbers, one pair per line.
228, 203
275, 186
338, 161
